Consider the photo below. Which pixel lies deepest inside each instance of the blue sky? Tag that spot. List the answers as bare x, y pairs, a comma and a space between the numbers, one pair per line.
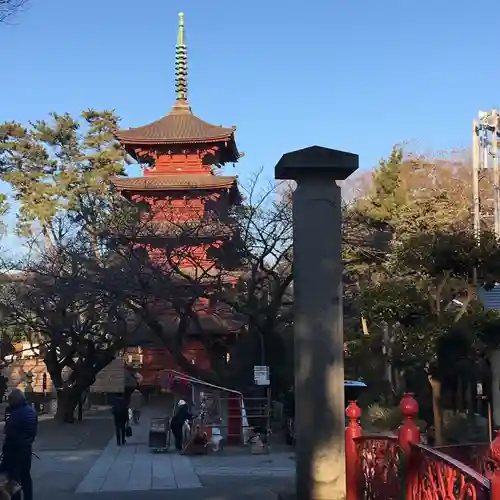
358, 76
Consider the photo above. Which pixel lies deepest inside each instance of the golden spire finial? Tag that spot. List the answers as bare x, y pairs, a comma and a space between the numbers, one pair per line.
181, 63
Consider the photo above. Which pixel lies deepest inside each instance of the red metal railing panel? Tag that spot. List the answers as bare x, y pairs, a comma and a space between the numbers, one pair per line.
433, 475
379, 459
440, 477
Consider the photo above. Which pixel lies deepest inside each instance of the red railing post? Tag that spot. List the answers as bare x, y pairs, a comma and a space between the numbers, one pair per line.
495, 486
408, 434
494, 459
352, 431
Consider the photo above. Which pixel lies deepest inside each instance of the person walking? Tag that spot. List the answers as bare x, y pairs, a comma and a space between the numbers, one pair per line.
136, 405
182, 414
20, 432
120, 415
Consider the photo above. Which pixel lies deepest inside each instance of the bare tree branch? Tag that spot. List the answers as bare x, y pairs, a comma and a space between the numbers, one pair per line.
9, 8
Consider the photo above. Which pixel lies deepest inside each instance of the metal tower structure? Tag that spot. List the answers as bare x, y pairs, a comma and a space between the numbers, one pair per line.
485, 141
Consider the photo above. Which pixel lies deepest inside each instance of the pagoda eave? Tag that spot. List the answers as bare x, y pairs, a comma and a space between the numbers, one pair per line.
174, 183
206, 238
229, 151
155, 141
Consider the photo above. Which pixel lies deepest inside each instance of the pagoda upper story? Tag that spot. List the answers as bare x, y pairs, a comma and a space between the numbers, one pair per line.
180, 145
179, 154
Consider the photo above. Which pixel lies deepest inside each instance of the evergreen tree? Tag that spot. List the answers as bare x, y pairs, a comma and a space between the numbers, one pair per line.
388, 194
59, 172
56, 168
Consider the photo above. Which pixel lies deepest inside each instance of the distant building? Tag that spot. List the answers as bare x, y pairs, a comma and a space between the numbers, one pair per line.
490, 298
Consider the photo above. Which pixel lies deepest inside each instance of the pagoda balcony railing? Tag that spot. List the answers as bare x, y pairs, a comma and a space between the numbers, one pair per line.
205, 227
186, 215
397, 466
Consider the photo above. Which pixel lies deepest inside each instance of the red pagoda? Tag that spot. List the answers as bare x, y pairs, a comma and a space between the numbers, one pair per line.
179, 154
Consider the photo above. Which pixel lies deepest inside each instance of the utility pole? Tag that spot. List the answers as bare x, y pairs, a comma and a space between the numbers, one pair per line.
496, 177
488, 123
475, 179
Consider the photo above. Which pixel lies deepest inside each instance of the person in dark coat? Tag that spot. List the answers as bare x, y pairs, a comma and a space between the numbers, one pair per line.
120, 415
20, 433
182, 414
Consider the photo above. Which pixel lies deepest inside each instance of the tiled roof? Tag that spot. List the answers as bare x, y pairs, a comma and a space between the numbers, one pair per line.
180, 126
490, 299
189, 229
219, 320
174, 182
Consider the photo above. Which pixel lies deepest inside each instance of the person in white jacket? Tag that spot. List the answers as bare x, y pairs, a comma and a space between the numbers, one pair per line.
136, 405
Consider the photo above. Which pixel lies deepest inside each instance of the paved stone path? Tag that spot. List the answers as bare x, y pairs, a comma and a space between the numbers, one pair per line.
274, 465
134, 467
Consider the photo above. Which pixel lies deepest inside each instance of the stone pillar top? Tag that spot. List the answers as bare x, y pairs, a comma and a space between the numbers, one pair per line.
316, 161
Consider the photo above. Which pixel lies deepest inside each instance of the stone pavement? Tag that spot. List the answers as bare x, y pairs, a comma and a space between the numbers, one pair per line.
90, 434
222, 491
134, 467
66, 452
274, 465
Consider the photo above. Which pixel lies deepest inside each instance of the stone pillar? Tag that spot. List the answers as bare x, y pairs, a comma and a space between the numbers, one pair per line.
318, 329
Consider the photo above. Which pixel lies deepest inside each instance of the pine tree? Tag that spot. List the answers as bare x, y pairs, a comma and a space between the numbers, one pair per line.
54, 167
388, 193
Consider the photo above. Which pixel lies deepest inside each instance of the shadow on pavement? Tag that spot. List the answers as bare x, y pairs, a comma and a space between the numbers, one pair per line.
229, 491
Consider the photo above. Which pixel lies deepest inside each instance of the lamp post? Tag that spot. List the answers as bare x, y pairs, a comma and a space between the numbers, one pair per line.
318, 329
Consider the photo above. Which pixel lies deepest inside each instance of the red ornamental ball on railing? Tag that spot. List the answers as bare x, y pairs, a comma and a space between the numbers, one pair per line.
353, 413
409, 405
409, 431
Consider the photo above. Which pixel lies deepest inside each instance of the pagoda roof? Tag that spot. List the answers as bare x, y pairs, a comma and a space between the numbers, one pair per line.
173, 182
180, 126
217, 320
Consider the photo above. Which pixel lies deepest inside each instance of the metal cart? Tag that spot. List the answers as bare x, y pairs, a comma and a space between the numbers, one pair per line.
159, 434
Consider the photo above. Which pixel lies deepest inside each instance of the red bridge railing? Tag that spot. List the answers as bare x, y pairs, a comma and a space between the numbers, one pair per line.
396, 467
474, 455
379, 465
436, 476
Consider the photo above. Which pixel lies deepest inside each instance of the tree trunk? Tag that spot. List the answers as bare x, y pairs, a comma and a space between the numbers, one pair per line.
469, 398
67, 400
437, 410
399, 382
387, 352
459, 406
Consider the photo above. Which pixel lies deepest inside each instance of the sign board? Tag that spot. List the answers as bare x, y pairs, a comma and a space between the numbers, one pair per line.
261, 375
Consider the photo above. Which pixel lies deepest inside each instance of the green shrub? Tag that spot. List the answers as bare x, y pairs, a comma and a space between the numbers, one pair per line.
459, 428
380, 418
